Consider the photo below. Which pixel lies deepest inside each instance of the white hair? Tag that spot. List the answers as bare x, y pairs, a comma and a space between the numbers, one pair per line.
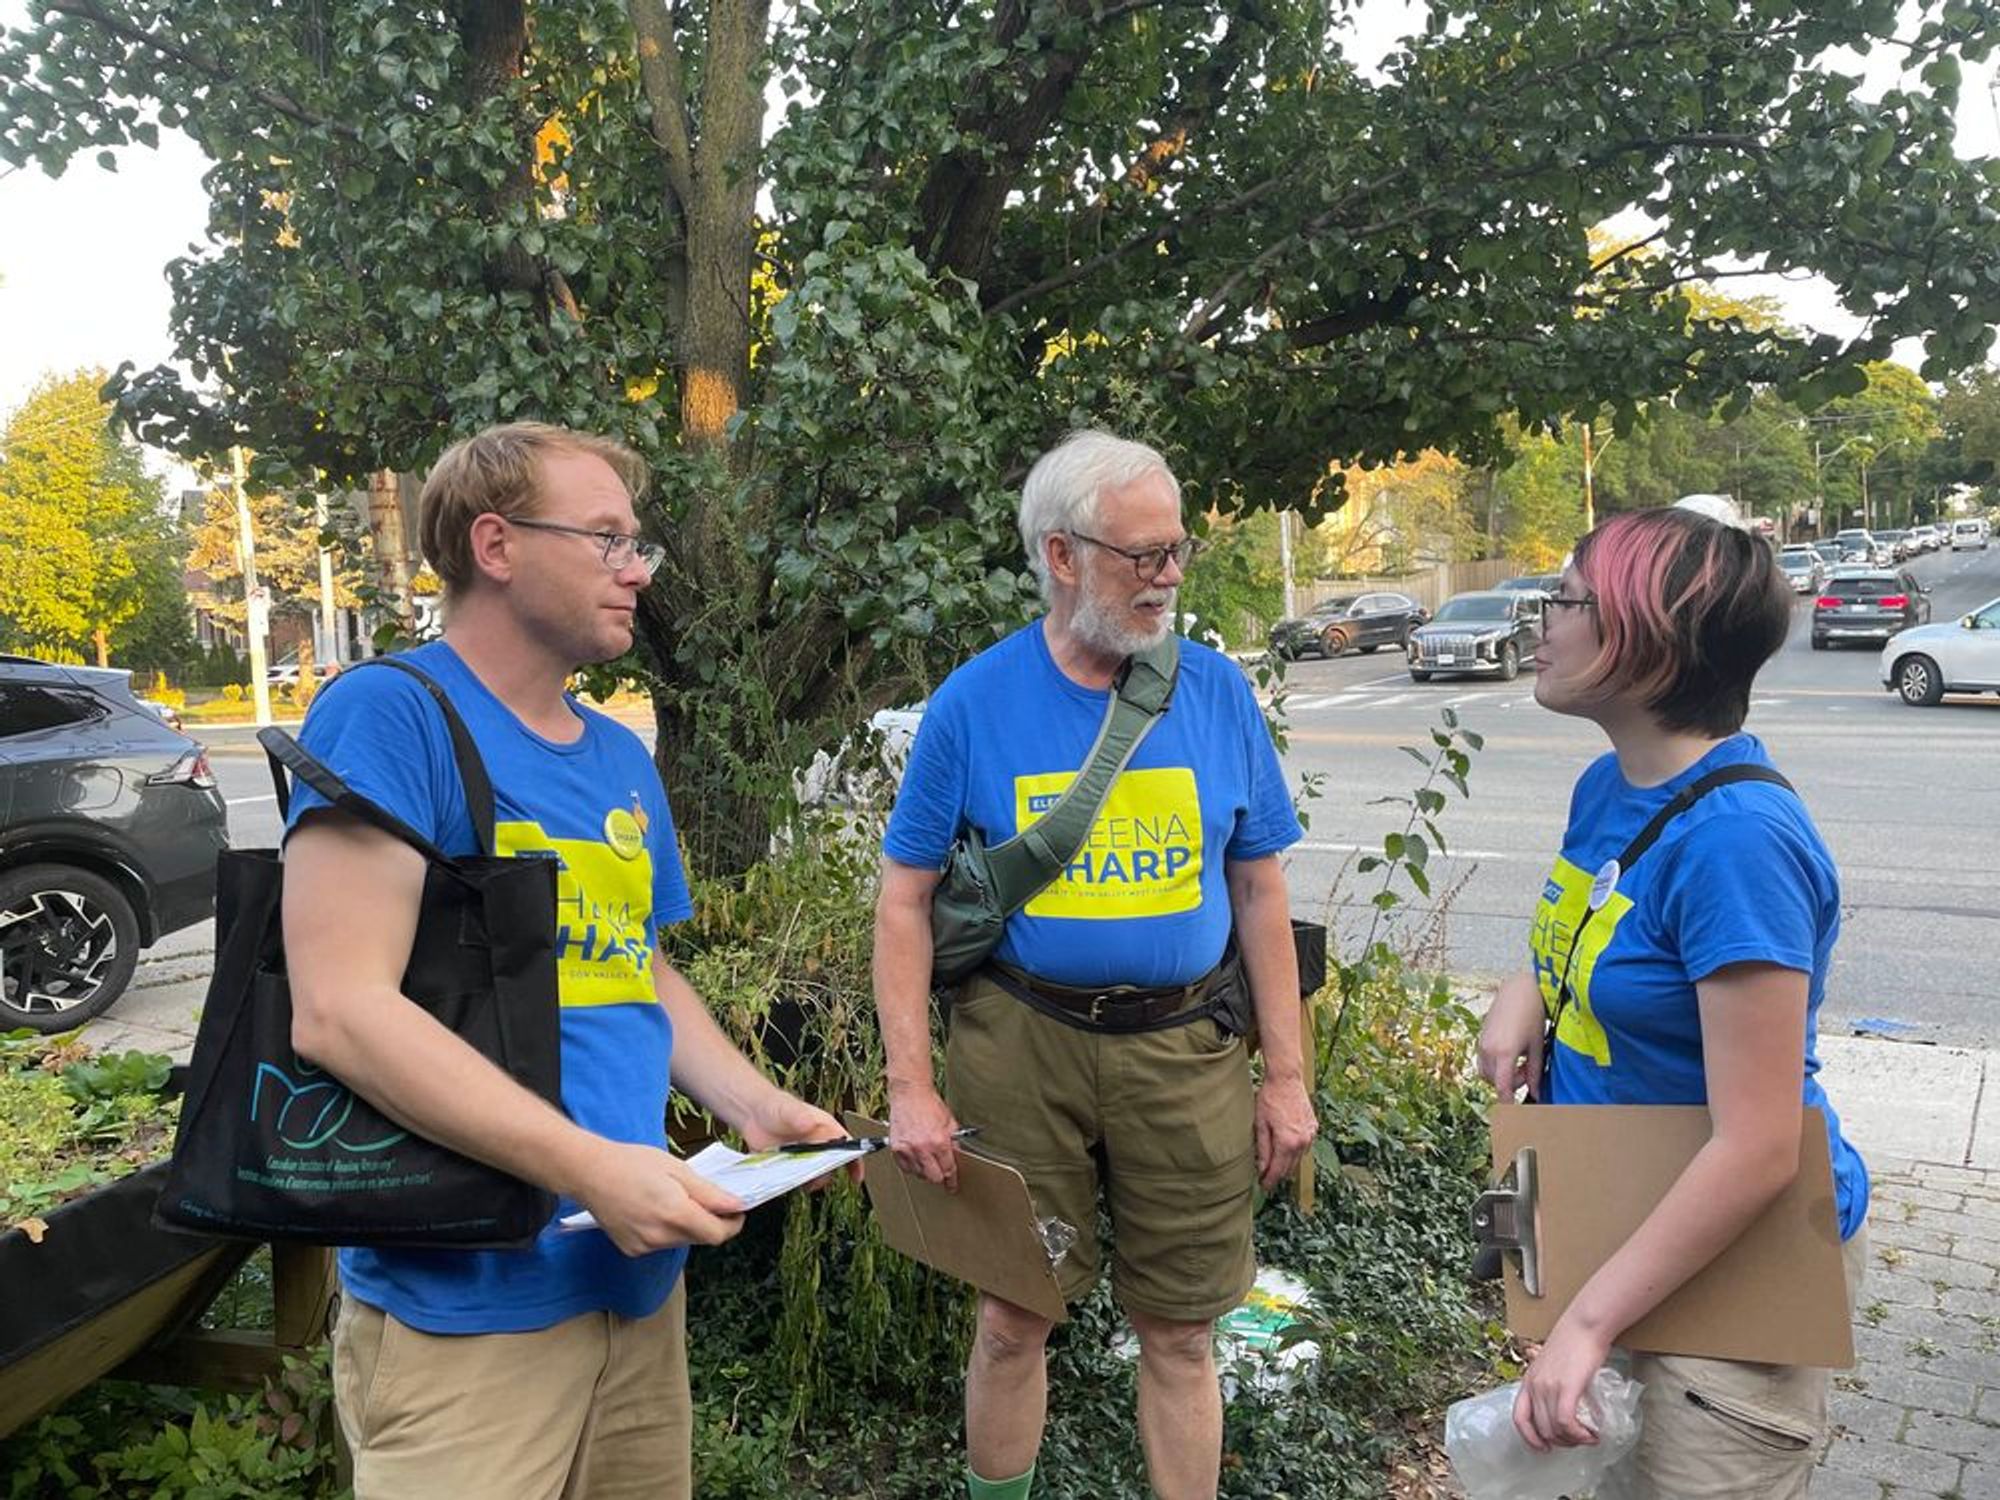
1067, 484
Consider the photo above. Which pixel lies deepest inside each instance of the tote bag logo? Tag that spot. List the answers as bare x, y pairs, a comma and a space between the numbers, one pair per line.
305, 1116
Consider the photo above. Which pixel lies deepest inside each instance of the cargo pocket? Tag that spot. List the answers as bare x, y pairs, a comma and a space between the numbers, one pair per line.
1779, 1431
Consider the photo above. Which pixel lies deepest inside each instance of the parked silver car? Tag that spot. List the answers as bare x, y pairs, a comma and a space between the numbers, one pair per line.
1924, 663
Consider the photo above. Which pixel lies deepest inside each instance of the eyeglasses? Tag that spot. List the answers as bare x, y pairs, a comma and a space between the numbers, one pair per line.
619, 549
1557, 601
1150, 562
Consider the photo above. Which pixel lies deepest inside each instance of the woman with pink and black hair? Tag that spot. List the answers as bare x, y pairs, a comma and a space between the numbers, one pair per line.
1692, 977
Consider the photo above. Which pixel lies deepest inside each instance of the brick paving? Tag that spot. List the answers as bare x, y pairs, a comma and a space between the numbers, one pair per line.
1919, 1415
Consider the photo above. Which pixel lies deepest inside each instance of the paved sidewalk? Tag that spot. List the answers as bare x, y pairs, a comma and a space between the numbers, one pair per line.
1919, 1415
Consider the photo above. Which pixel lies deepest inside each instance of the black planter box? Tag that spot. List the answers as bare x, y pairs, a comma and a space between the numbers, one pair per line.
102, 1285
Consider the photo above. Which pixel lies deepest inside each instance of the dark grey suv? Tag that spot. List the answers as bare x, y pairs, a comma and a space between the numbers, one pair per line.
1489, 633
110, 824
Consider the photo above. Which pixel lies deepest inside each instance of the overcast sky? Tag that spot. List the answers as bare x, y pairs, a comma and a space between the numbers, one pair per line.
82, 258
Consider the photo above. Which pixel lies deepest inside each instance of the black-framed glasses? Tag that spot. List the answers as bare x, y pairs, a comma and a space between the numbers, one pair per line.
618, 549
1150, 562
1558, 601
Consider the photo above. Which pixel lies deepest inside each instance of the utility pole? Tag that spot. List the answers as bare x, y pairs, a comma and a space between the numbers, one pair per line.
1285, 561
330, 651
1589, 482
256, 604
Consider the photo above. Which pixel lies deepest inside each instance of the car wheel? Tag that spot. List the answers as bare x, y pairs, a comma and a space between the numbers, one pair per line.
1416, 676
1334, 642
1919, 682
1510, 662
69, 942
1819, 643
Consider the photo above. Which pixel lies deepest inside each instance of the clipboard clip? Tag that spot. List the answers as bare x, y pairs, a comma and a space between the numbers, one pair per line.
1505, 1220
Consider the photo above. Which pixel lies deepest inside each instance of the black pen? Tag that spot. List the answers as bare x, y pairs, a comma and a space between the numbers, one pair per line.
863, 1143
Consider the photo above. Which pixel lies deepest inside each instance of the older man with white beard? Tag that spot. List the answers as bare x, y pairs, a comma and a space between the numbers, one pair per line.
1177, 885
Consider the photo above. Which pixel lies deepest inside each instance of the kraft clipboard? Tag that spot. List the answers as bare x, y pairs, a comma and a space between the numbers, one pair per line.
1571, 1184
983, 1234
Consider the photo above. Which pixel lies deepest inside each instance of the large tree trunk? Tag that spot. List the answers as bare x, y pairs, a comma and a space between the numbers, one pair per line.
709, 188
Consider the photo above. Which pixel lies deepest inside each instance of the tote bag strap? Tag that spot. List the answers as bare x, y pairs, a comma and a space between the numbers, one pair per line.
471, 768
1141, 692
287, 754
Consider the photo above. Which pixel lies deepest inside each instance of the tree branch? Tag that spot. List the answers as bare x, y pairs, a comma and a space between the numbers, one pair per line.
660, 77
1152, 235
1624, 250
89, 10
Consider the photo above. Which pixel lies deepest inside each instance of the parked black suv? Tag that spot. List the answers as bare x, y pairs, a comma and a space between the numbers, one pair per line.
1366, 622
110, 824
1868, 604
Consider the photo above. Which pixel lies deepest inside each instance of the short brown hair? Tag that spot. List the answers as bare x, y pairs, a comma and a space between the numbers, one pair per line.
499, 470
1688, 611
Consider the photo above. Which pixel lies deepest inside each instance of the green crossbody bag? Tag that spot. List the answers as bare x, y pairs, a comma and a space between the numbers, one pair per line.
982, 887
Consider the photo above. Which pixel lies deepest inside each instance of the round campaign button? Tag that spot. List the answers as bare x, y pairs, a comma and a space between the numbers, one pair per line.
623, 834
1605, 883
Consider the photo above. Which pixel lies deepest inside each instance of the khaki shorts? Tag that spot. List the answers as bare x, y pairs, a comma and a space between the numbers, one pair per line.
1162, 1119
1716, 1429
595, 1407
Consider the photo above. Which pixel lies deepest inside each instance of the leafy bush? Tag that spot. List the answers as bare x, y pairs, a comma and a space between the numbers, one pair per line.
70, 1122
119, 1438
823, 1366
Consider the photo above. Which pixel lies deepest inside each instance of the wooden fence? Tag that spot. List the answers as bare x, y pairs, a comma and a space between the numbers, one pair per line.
1430, 588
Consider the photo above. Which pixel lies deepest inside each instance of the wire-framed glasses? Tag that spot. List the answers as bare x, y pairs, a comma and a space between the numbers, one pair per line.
617, 548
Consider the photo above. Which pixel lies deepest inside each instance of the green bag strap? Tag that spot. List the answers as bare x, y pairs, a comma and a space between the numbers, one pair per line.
1140, 693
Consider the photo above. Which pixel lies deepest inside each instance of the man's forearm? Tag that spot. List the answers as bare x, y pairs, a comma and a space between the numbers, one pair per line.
1262, 916
902, 993
431, 1081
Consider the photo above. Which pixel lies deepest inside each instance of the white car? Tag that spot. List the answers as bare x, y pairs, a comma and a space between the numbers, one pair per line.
1967, 535
1925, 662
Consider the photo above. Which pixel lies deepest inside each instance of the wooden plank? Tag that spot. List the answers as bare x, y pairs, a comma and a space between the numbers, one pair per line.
221, 1359
302, 1287
53, 1373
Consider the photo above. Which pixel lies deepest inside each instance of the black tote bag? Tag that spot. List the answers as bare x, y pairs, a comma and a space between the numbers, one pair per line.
271, 1147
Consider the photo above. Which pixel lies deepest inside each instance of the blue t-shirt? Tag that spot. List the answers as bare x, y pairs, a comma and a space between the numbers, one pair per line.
596, 806
1145, 901
1741, 876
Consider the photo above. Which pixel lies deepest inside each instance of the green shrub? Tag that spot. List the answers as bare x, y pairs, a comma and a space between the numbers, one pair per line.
824, 1365
118, 1438
71, 1121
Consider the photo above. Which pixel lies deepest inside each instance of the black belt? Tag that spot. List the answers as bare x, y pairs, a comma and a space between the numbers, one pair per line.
1115, 1008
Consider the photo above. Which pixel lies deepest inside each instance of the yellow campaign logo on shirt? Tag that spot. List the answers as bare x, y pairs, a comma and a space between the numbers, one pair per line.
1143, 857
604, 910
1564, 904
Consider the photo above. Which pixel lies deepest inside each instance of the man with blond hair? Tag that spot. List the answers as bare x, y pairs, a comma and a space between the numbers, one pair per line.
1090, 1050
558, 1370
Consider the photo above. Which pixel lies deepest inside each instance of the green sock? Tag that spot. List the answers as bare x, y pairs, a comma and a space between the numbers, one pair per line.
999, 1489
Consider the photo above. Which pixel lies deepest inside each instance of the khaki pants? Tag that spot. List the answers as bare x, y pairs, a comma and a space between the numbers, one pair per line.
1161, 1123
594, 1408
1716, 1429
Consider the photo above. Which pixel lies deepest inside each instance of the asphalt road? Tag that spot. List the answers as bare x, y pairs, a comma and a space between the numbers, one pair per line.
1908, 800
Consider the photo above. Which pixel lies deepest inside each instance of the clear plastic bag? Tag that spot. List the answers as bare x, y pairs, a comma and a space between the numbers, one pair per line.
1494, 1464
1056, 1235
